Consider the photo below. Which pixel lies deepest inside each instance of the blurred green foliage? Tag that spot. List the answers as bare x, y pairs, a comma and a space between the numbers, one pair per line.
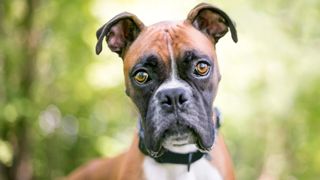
60, 105
51, 117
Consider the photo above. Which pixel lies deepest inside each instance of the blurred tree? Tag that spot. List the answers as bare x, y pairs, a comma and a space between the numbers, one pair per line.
51, 117
281, 129
62, 61
18, 74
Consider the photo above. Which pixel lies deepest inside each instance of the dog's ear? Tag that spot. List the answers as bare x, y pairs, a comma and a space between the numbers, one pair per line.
212, 21
120, 32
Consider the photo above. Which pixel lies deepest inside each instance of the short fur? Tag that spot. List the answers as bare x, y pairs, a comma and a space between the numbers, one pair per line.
175, 103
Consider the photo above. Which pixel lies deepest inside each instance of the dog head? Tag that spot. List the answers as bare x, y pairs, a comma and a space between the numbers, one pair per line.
171, 74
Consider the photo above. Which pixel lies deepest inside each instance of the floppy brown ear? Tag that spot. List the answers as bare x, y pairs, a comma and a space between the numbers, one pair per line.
212, 21
120, 32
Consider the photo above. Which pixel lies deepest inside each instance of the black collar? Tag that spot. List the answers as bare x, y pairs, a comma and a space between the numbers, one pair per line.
177, 158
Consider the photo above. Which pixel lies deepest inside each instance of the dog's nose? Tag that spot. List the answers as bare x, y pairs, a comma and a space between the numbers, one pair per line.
172, 98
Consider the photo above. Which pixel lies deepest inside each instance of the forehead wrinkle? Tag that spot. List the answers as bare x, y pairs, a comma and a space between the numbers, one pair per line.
150, 41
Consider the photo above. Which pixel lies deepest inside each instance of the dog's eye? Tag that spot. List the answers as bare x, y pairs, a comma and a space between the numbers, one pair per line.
202, 68
141, 77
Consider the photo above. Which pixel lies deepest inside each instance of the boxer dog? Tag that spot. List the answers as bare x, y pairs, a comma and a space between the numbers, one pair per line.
172, 75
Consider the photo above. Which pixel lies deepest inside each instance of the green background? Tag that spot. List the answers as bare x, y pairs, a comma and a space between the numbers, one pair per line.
61, 105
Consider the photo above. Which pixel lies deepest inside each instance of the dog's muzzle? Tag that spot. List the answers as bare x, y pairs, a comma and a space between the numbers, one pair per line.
178, 116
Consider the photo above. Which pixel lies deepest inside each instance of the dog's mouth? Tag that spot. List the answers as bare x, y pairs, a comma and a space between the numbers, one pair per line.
179, 136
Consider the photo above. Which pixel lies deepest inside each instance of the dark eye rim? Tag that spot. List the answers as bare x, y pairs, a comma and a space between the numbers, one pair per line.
141, 70
202, 75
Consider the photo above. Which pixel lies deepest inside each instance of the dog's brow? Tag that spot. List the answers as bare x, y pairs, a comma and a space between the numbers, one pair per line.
149, 60
191, 55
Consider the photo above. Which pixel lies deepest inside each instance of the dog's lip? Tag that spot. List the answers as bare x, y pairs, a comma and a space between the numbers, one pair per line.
204, 146
180, 144
197, 140
179, 139
158, 148
156, 154
204, 141
161, 149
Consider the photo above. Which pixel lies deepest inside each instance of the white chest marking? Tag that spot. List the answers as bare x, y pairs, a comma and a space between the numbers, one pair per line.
199, 170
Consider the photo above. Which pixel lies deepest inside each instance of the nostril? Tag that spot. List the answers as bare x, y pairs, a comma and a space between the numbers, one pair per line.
166, 101
182, 99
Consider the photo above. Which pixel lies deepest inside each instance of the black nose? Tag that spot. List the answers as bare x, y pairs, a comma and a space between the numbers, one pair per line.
171, 99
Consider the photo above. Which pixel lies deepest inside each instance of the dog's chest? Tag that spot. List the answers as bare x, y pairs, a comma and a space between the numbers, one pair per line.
200, 170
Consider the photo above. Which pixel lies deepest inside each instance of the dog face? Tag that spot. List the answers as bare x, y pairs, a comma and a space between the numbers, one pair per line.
179, 84
171, 74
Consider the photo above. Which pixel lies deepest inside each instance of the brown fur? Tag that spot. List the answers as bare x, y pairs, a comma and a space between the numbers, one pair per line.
128, 165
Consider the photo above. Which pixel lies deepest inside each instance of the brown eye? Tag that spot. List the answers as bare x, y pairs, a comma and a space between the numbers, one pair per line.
141, 77
202, 69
